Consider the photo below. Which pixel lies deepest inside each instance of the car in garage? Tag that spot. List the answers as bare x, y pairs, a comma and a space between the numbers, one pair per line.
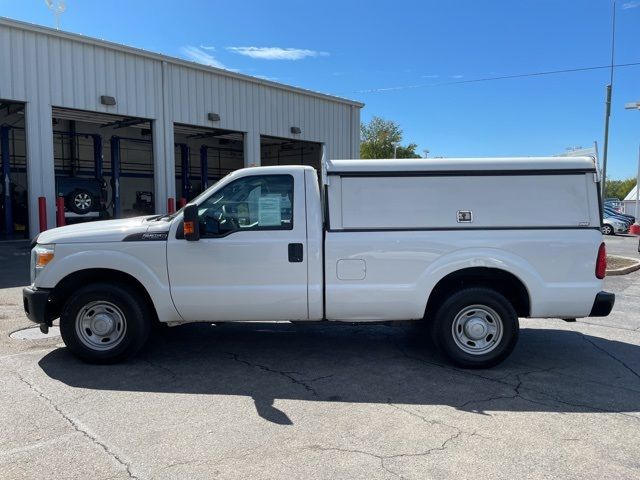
84, 198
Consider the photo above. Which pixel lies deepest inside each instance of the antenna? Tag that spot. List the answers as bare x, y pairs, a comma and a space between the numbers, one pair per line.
57, 8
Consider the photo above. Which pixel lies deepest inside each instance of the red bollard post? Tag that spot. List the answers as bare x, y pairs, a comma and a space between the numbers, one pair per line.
42, 213
182, 202
171, 205
60, 220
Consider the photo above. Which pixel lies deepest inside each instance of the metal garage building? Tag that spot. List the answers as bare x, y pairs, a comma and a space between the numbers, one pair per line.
145, 128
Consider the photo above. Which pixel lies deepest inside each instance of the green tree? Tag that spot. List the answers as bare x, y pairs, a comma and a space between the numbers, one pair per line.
378, 137
619, 188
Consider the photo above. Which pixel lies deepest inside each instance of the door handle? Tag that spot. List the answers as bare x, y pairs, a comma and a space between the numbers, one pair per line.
295, 252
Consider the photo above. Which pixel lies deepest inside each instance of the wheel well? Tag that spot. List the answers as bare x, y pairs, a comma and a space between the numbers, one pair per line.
500, 280
78, 279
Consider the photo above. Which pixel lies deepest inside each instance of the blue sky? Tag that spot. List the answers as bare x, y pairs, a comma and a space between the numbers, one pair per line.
396, 56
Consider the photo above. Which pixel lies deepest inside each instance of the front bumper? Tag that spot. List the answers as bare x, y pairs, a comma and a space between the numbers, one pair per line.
36, 306
603, 304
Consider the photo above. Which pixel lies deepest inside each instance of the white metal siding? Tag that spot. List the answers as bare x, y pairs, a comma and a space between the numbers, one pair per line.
245, 106
45, 68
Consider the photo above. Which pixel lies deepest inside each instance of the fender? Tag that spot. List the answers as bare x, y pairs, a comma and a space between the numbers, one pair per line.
139, 261
481, 257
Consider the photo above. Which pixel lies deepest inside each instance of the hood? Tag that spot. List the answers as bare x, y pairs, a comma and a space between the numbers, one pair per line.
98, 231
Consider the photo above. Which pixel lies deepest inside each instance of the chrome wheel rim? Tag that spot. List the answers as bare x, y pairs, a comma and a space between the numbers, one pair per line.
82, 201
477, 329
101, 325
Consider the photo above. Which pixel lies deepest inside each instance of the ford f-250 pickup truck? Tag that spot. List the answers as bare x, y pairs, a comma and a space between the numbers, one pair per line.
466, 245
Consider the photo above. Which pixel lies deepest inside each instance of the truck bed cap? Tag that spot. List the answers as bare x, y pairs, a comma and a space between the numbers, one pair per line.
461, 164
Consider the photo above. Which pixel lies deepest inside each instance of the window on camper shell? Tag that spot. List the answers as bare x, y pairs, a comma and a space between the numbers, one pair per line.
259, 202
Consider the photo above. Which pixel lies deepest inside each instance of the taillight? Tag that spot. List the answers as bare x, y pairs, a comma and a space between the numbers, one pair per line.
601, 262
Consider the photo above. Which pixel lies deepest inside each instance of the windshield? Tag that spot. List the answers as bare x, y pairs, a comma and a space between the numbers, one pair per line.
171, 216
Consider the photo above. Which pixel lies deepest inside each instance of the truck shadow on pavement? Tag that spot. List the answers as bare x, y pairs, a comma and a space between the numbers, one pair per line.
550, 370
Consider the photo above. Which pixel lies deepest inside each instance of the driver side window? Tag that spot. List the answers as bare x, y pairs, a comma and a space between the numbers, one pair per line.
260, 202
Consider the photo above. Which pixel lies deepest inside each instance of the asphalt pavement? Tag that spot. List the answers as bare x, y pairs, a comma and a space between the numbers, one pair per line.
326, 402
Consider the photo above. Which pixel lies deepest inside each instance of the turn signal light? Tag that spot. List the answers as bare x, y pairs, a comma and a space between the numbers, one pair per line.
189, 228
43, 258
601, 262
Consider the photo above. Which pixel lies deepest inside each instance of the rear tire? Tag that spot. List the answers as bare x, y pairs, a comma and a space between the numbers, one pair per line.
476, 328
105, 323
607, 230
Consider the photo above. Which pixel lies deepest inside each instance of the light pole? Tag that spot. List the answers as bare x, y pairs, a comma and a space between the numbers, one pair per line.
635, 228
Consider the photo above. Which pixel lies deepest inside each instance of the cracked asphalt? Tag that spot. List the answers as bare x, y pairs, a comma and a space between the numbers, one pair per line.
316, 402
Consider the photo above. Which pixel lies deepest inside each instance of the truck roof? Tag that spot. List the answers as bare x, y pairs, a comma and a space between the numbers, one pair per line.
462, 164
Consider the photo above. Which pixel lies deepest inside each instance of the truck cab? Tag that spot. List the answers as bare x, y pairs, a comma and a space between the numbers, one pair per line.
466, 246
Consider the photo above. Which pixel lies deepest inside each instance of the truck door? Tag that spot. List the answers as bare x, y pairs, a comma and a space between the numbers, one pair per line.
250, 262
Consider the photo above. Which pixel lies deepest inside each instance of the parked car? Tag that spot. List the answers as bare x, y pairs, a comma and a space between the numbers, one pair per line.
609, 211
624, 220
614, 203
392, 240
611, 226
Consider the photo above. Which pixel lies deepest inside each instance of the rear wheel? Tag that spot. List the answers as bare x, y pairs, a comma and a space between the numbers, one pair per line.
476, 328
104, 323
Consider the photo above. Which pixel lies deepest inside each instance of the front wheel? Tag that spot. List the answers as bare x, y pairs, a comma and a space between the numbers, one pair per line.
476, 328
607, 230
104, 323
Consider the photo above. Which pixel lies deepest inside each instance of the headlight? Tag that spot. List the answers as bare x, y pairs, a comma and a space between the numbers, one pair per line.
41, 256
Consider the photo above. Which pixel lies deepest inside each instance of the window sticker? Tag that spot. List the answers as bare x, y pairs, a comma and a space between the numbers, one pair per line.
269, 211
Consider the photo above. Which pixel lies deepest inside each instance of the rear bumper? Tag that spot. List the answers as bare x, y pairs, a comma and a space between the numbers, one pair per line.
603, 304
36, 303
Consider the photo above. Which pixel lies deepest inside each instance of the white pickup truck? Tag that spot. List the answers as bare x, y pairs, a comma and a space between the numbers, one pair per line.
466, 245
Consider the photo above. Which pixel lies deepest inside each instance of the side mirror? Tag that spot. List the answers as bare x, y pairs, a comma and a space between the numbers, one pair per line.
191, 223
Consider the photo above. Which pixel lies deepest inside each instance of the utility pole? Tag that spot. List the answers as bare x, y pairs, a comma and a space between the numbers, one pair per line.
605, 147
607, 110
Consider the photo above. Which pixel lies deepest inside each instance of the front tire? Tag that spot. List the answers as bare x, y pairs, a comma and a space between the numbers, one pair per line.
104, 323
476, 328
607, 230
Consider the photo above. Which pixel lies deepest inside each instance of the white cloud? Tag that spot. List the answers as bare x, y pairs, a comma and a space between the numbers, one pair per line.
207, 47
276, 53
633, 4
198, 55
265, 77
457, 77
